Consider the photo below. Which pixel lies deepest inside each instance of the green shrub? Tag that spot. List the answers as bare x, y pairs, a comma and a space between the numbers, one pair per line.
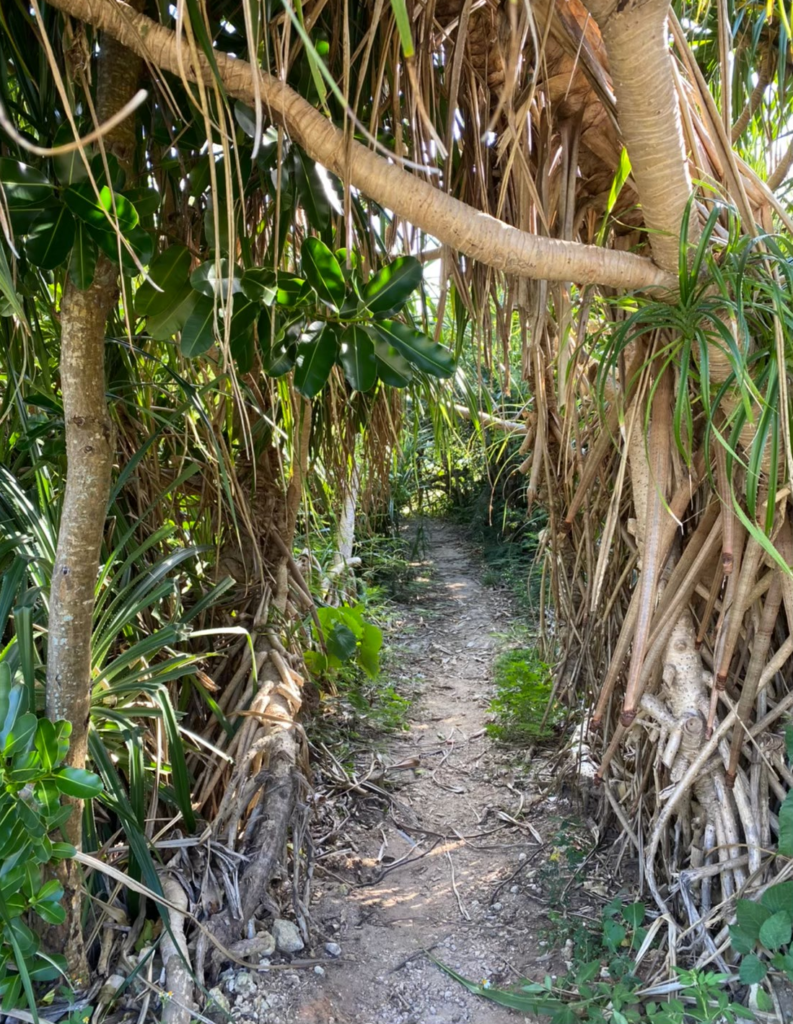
523, 692
32, 784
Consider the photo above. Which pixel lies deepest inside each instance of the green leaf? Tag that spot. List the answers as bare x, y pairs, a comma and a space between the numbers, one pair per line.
314, 360
78, 782
69, 167
402, 19
779, 897
82, 262
21, 736
752, 970
417, 348
633, 915
52, 913
390, 287
50, 238
46, 744
322, 271
243, 350
198, 333
290, 290
168, 323
23, 185
613, 934
145, 200
82, 201
341, 642
786, 826
777, 930
742, 941
211, 278
358, 359
392, 367
12, 709
169, 271
369, 651
278, 355
751, 917
311, 190
259, 285
245, 118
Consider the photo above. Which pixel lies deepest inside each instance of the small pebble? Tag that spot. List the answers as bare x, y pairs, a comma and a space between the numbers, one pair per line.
497, 907
320, 971
333, 949
514, 888
521, 856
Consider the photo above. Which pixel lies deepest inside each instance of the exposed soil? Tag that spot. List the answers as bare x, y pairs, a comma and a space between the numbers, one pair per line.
447, 864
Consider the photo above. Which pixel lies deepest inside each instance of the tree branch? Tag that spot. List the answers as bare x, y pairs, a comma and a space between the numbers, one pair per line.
452, 222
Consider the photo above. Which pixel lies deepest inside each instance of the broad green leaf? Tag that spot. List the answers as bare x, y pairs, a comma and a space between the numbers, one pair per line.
777, 930
69, 167
78, 782
752, 970
168, 323
46, 743
291, 290
633, 914
245, 118
259, 285
242, 350
82, 261
211, 278
169, 271
779, 897
50, 238
198, 333
392, 367
314, 360
785, 828
146, 201
14, 710
369, 651
243, 315
322, 271
741, 941
358, 359
139, 240
391, 287
417, 348
23, 185
311, 190
21, 737
52, 913
751, 917
341, 642
82, 201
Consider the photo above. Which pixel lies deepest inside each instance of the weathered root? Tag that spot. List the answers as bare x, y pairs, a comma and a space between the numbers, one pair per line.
178, 1006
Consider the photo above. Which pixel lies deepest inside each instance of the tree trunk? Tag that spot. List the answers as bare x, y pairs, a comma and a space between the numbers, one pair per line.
89, 453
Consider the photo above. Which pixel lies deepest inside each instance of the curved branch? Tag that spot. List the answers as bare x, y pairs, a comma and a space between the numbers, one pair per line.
452, 222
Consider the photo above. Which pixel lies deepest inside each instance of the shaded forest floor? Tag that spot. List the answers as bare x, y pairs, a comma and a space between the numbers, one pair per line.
433, 840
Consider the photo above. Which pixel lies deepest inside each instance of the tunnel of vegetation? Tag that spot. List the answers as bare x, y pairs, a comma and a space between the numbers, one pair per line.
246, 246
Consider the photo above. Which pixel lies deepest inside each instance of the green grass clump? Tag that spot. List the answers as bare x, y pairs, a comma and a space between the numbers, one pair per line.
523, 691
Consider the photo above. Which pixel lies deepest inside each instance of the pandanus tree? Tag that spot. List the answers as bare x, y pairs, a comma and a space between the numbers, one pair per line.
608, 176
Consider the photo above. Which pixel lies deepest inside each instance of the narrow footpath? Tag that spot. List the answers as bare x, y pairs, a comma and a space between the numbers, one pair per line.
444, 866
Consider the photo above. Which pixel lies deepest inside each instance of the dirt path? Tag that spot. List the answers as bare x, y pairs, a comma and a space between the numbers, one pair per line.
437, 868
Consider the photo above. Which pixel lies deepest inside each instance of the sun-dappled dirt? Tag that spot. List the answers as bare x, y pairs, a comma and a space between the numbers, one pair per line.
446, 866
